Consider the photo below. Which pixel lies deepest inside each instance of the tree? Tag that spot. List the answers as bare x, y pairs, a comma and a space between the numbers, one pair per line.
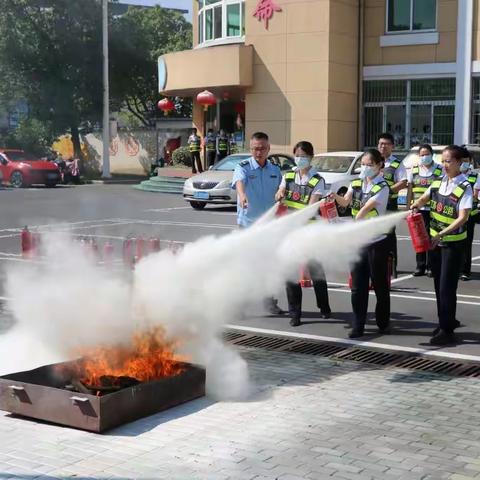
137, 39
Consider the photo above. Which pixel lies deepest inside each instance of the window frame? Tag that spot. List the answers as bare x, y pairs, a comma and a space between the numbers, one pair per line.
223, 39
410, 30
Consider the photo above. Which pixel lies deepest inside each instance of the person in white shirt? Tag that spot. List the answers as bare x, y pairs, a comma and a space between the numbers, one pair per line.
395, 174
474, 179
299, 188
450, 204
419, 178
368, 197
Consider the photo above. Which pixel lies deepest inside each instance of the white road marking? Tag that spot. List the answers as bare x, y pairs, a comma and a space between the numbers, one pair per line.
62, 224
167, 209
347, 341
430, 292
401, 279
411, 297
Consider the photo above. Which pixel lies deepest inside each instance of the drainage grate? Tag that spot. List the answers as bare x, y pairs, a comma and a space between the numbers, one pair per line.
410, 361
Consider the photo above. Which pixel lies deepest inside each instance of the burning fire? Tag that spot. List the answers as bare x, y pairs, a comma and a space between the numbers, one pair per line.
149, 356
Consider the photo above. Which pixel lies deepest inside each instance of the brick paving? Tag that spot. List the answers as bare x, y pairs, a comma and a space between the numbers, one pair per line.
307, 418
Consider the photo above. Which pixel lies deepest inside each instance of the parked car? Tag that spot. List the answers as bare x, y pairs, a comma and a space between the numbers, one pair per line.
338, 169
214, 185
21, 169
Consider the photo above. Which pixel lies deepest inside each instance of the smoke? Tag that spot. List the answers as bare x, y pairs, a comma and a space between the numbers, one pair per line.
62, 305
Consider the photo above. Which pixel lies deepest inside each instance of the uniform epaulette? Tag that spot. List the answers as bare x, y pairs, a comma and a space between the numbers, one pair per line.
244, 163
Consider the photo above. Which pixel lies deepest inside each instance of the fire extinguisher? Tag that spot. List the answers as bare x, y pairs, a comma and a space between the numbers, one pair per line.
128, 252
154, 245
282, 210
26, 242
418, 233
328, 210
305, 278
140, 249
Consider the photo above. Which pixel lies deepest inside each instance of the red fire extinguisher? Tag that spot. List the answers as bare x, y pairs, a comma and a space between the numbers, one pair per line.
328, 210
26, 242
282, 210
140, 249
128, 252
418, 233
154, 245
305, 278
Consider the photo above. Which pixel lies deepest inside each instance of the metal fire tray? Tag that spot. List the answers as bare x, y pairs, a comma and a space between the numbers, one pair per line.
40, 394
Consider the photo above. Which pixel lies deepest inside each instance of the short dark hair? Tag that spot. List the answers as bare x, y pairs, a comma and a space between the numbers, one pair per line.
466, 152
375, 154
456, 152
426, 146
259, 136
387, 136
307, 147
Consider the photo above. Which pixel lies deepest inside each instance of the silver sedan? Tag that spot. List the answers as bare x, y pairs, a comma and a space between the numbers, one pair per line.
214, 185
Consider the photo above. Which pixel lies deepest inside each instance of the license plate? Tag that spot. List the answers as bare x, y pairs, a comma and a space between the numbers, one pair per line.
52, 175
201, 195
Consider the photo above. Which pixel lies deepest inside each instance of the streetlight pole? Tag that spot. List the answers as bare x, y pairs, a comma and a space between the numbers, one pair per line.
106, 113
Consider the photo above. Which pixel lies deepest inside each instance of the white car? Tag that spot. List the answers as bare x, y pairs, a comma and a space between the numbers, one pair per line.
338, 169
214, 185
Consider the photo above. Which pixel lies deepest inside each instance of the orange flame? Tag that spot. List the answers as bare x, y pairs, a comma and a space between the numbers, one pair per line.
149, 357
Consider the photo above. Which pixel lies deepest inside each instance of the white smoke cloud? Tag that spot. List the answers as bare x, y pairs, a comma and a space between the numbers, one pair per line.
62, 305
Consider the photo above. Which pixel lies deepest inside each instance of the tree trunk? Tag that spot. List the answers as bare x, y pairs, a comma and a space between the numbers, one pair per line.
77, 149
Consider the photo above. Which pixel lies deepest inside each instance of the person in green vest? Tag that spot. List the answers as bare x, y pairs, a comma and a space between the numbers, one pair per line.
194, 145
419, 178
474, 179
368, 197
222, 145
210, 148
451, 200
301, 187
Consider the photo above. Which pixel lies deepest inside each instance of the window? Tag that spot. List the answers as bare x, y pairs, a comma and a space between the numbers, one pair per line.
221, 20
411, 15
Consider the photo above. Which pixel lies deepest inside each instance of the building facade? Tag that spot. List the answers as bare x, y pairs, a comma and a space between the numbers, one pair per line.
335, 72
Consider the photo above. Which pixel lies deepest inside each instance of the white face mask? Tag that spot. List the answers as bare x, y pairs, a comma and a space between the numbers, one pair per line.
426, 159
465, 167
367, 171
302, 162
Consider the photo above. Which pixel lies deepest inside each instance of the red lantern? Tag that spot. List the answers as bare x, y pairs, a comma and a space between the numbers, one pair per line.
166, 105
239, 108
206, 99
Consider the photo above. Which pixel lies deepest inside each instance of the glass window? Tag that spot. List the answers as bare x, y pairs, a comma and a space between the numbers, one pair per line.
411, 15
200, 28
437, 89
373, 125
243, 18
209, 24
421, 124
384, 90
395, 119
443, 124
217, 15
233, 20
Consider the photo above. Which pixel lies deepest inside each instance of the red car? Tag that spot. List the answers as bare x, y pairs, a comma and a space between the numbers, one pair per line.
21, 169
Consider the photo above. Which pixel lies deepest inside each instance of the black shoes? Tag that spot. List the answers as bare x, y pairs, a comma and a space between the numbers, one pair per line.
443, 338
276, 310
326, 314
295, 322
384, 330
429, 274
354, 333
419, 272
465, 277
456, 324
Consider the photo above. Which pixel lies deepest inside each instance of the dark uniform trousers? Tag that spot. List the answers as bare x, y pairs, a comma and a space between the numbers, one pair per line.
423, 259
467, 268
446, 263
195, 156
294, 292
211, 154
373, 263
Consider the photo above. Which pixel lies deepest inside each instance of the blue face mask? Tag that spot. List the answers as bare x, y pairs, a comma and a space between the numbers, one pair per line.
426, 159
367, 172
465, 167
302, 162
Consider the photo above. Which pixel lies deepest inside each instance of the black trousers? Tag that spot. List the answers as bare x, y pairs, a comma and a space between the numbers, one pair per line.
423, 259
294, 292
211, 154
446, 263
467, 265
373, 264
195, 156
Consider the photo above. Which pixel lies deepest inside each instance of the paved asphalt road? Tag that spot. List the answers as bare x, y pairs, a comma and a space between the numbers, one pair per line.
115, 211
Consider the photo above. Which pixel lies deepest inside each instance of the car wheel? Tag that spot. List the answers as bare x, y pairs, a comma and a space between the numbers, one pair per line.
198, 205
16, 180
51, 184
343, 211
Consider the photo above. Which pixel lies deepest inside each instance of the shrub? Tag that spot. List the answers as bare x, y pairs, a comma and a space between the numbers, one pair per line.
181, 156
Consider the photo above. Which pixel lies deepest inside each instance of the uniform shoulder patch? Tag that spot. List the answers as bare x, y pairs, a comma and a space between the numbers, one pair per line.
244, 163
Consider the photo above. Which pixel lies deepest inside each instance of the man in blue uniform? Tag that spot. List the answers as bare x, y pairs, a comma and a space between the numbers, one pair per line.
256, 181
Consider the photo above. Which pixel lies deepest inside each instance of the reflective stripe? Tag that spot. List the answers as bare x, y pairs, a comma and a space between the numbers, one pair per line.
372, 213
450, 238
292, 204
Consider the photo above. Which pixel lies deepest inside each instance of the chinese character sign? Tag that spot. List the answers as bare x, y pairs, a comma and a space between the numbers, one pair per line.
264, 11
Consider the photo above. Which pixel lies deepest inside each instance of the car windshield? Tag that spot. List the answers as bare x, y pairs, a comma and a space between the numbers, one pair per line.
333, 164
20, 156
229, 163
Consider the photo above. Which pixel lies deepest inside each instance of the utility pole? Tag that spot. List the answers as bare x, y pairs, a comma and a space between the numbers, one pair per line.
106, 99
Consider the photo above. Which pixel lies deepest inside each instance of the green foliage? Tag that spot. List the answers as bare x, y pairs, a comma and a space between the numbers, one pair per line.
137, 39
31, 135
181, 156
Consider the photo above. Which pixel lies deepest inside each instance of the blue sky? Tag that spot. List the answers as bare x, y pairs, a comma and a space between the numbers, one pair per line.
183, 4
